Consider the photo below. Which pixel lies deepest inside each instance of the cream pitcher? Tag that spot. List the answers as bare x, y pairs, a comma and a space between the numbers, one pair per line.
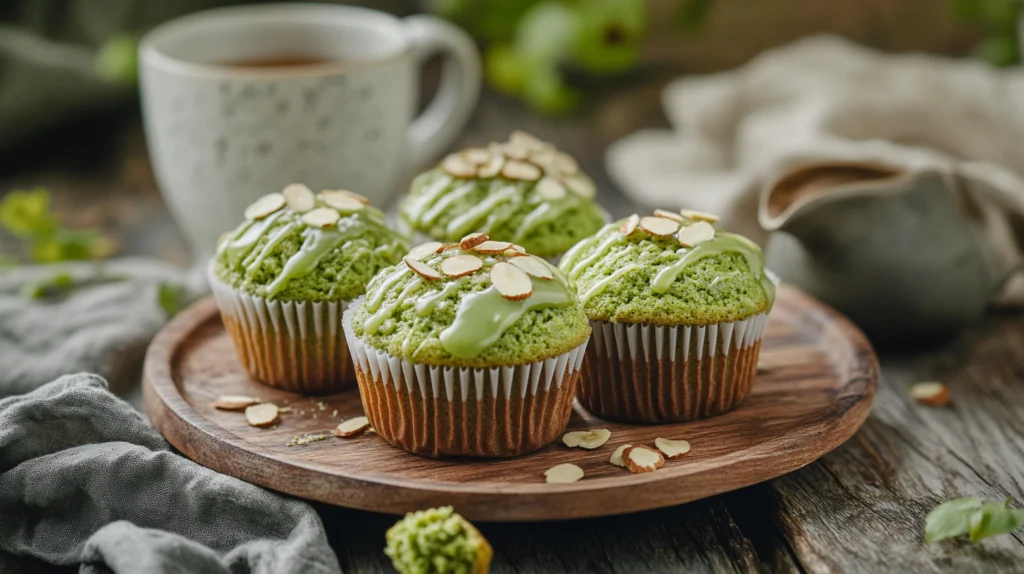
911, 255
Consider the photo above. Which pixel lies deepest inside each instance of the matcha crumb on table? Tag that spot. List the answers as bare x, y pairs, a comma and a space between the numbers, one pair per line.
437, 541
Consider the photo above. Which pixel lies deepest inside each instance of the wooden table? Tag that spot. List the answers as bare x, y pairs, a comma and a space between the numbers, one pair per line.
860, 509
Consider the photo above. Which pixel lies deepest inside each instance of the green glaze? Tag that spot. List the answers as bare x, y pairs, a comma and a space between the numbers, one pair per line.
446, 208
641, 278
465, 321
281, 257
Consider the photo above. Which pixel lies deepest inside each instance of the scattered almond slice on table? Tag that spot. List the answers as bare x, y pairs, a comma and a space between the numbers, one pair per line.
616, 457
422, 269
931, 393
696, 234
589, 439
511, 282
533, 267
672, 448
299, 198
472, 240
630, 225
461, 265
261, 415
421, 251
352, 427
642, 459
321, 217
563, 473
659, 226
234, 402
264, 206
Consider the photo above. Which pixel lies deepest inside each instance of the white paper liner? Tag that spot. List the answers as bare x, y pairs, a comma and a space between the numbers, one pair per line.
451, 383
289, 344
673, 343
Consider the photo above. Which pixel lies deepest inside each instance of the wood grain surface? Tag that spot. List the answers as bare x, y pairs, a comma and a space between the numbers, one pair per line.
817, 389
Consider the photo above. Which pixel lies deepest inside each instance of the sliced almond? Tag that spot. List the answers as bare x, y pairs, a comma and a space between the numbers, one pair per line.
669, 215
461, 265
549, 189
588, 439
565, 164
422, 269
696, 234
477, 155
520, 170
659, 226
563, 473
458, 166
931, 393
533, 266
352, 427
642, 459
493, 167
525, 140
427, 249
299, 198
234, 402
492, 247
630, 224
672, 448
515, 151
511, 282
264, 206
472, 240
698, 215
321, 217
616, 457
342, 200
545, 159
261, 415
581, 186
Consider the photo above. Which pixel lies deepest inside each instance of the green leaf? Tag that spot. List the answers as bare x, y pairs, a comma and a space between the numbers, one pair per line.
26, 214
117, 60
995, 518
170, 297
951, 518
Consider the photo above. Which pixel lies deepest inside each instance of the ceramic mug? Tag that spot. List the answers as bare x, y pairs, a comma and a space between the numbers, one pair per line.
221, 134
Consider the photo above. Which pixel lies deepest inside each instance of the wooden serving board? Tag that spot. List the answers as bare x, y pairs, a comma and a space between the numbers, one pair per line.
816, 390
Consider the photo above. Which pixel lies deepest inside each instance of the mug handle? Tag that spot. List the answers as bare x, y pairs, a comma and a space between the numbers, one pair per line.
442, 121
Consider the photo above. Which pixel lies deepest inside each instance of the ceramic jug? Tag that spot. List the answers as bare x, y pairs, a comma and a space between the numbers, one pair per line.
908, 255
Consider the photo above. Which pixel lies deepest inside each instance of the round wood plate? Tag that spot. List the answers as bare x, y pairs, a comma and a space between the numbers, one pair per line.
816, 389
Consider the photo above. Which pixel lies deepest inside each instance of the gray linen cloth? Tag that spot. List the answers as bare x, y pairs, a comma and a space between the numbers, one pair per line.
85, 480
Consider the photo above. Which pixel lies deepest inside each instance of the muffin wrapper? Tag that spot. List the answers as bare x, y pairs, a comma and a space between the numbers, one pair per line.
653, 374
451, 411
298, 346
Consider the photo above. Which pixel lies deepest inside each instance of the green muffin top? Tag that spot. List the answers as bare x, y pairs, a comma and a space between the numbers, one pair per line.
670, 269
524, 191
435, 541
296, 246
476, 303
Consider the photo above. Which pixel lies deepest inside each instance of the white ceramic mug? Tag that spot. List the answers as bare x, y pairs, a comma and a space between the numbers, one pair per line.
220, 135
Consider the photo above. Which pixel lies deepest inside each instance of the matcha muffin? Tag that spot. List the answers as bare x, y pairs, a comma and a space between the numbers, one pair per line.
437, 541
283, 278
678, 308
471, 348
524, 191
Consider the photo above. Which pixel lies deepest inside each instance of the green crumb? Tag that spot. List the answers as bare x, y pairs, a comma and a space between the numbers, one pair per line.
615, 276
447, 208
259, 258
304, 439
437, 541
